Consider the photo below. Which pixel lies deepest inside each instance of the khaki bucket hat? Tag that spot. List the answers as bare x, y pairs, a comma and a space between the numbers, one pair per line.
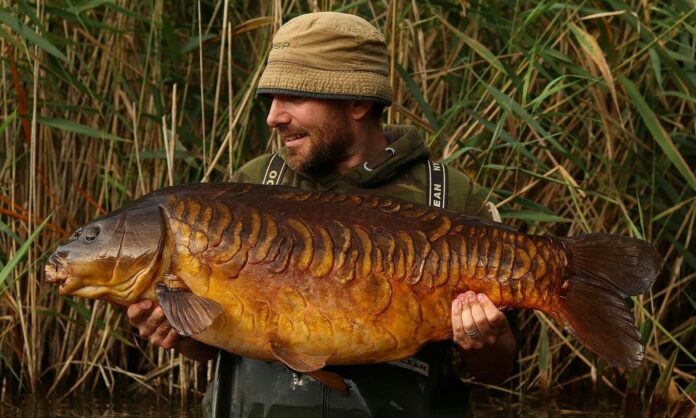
328, 55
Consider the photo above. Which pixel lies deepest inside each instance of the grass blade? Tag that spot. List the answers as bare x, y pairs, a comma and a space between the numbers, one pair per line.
66, 125
531, 216
7, 121
88, 5
12, 263
31, 36
658, 132
591, 47
415, 91
477, 46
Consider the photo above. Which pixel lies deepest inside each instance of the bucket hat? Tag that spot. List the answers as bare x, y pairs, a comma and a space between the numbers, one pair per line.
328, 55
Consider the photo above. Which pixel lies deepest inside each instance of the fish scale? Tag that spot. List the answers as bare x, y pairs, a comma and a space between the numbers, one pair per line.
486, 262
311, 278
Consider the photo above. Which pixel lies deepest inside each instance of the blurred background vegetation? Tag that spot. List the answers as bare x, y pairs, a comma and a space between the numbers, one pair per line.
573, 116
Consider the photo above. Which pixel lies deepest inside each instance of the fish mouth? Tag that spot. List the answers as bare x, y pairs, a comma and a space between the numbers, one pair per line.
56, 271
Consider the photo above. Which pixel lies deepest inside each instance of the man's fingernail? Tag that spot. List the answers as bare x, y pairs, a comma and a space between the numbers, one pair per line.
147, 303
481, 297
472, 297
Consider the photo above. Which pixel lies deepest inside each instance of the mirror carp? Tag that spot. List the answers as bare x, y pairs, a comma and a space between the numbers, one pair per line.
311, 278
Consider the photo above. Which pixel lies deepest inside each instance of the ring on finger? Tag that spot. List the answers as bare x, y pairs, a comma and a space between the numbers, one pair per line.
474, 334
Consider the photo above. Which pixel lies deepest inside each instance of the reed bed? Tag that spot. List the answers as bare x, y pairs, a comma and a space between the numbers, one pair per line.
573, 117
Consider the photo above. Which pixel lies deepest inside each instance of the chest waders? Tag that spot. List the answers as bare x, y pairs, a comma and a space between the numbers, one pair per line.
412, 387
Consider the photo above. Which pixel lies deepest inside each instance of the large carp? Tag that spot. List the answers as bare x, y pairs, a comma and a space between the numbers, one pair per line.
311, 278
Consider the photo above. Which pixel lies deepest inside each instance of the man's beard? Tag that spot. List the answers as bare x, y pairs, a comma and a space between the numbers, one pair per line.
328, 145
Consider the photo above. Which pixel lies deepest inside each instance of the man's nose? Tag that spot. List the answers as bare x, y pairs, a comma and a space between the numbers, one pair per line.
277, 116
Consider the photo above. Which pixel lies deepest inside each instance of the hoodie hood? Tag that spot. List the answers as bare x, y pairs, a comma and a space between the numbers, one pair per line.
405, 147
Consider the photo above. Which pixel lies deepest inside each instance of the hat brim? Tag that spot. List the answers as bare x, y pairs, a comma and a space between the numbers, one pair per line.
299, 80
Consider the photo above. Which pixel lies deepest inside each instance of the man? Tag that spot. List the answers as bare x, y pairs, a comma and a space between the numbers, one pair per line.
327, 75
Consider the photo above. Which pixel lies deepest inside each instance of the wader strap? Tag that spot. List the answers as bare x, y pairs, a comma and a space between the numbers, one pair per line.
274, 170
436, 196
437, 185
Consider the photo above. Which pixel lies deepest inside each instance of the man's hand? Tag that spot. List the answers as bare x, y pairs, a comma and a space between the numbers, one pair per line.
478, 324
149, 318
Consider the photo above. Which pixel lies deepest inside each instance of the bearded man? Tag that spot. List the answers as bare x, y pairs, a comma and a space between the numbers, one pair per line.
327, 77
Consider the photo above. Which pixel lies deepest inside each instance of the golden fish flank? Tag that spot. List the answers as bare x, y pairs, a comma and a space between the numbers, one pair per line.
324, 278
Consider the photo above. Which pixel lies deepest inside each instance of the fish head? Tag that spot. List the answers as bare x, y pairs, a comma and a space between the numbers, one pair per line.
115, 258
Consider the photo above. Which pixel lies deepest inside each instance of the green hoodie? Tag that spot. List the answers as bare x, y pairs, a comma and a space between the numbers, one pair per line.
402, 175
422, 386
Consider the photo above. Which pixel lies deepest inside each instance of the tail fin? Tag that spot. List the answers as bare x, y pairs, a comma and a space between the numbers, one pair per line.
604, 270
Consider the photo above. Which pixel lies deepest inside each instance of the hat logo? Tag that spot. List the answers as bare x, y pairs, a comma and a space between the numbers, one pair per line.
281, 45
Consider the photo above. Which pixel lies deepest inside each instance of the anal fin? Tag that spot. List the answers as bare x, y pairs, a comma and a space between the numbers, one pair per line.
333, 380
188, 313
310, 365
300, 362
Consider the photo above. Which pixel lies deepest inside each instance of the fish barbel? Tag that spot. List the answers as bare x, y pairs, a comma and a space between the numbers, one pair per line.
310, 278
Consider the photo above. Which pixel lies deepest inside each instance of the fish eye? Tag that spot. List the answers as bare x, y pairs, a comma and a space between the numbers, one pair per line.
92, 233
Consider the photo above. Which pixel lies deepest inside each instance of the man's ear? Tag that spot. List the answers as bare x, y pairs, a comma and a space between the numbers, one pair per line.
359, 109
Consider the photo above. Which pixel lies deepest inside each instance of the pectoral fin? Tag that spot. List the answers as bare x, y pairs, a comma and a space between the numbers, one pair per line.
188, 313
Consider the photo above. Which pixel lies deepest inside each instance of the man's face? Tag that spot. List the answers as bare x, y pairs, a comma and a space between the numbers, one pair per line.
316, 132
